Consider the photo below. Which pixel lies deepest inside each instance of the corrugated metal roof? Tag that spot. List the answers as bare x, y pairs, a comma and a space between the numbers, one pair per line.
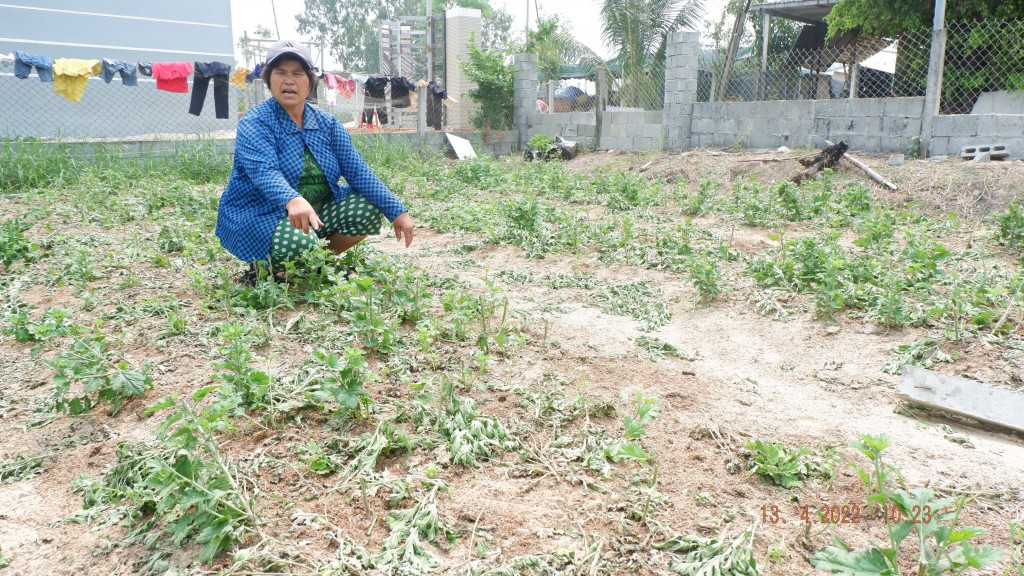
806, 11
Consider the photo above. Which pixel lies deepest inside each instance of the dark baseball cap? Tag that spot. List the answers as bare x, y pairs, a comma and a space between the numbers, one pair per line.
293, 48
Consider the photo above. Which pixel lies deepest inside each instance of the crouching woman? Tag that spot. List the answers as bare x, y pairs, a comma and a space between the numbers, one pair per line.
283, 194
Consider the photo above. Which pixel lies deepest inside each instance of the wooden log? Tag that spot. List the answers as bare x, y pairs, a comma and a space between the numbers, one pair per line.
871, 173
568, 149
828, 158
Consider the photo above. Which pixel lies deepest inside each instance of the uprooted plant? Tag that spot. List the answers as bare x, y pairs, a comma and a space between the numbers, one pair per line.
177, 488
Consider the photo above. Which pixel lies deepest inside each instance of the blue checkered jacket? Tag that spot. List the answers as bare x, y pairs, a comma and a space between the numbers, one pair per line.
268, 163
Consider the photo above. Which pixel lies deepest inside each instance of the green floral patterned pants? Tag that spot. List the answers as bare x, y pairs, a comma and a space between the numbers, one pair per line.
352, 216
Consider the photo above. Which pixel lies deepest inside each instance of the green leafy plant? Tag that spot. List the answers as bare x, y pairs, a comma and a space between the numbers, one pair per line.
656, 349
470, 435
646, 410
943, 547
53, 323
14, 246
706, 275
788, 467
178, 488
542, 147
1017, 547
923, 352
1010, 227
409, 530
341, 379
491, 72
702, 201
559, 280
248, 386
91, 373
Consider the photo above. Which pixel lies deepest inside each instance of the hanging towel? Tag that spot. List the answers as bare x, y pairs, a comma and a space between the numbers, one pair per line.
6, 58
239, 77
23, 63
146, 68
331, 88
347, 88
206, 71
172, 76
127, 71
71, 75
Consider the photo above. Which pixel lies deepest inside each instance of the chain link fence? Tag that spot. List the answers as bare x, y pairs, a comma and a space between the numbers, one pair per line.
567, 95
636, 86
110, 111
981, 58
116, 112
641, 91
867, 67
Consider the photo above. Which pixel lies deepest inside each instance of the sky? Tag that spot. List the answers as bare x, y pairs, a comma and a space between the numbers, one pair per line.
583, 16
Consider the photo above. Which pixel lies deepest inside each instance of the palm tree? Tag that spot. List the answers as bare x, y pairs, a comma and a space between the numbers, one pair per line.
638, 30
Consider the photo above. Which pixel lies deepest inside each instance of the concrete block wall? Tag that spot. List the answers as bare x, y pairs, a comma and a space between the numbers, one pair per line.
681, 70
578, 126
871, 125
634, 130
952, 133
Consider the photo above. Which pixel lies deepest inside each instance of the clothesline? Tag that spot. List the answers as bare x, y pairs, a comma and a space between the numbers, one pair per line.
70, 77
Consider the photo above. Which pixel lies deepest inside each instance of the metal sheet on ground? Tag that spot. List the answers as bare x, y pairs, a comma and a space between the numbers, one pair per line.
961, 396
463, 148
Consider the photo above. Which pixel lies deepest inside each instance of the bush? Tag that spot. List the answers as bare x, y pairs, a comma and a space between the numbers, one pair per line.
493, 74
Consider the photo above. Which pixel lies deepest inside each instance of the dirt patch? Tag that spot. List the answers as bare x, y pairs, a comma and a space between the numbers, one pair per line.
750, 365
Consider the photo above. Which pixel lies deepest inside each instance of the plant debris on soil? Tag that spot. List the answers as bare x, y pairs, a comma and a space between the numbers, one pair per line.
619, 364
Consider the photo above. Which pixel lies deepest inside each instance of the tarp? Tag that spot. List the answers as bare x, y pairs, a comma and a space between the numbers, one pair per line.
884, 60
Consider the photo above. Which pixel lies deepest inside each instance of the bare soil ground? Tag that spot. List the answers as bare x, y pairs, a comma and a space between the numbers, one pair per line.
798, 380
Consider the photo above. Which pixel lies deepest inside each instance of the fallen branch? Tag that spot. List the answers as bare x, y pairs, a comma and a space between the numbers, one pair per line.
828, 158
874, 175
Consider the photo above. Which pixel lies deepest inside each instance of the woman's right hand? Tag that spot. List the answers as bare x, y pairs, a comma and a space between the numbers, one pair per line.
301, 215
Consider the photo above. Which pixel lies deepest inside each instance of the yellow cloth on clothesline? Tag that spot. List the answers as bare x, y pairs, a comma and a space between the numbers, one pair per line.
70, 76
238, 78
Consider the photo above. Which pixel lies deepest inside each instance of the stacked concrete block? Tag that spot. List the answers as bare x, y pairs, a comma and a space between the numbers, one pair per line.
460, 24
524, 109
681, 73
952, 133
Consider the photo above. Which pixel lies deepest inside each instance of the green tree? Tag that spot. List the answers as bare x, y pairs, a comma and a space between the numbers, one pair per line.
638, 31
547, 43
889, 19
245, 42
493, 74
351, 28
984, 50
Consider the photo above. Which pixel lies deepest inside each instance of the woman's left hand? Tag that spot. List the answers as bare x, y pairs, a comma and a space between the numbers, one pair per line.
403, 227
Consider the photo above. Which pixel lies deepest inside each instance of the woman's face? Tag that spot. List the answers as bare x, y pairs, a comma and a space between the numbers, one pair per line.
289, 84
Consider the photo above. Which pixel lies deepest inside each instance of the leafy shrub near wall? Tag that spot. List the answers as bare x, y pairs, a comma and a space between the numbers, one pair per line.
493, 73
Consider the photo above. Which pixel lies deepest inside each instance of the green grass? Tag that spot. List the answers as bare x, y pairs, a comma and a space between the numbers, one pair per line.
27, 164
